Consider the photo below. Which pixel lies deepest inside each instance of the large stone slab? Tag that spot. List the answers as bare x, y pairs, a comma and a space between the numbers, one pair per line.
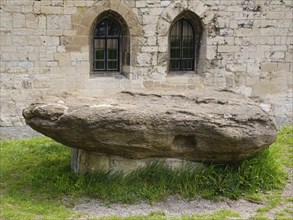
196, 125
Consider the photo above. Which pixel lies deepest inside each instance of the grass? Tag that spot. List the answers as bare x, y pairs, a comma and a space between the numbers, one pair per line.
29, 170
35, 178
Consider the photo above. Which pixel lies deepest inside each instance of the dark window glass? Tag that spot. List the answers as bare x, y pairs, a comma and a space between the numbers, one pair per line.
112, 65
186, 28
100, 54
175, 53
175, 64
187, 53
112, 30
106, 46
101, 29
112, 54
175, 42
176, 30
182, 46
186, 64
187, 41
100, 65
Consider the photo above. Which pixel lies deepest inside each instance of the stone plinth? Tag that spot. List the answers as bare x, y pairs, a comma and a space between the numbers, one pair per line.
88, 162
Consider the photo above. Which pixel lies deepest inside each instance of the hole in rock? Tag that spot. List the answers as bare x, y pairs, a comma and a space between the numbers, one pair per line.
184, 141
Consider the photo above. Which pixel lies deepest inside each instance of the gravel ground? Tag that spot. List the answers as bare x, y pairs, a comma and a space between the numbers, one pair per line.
172, 207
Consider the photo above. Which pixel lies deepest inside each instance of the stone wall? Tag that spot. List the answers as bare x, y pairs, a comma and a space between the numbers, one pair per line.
46, 50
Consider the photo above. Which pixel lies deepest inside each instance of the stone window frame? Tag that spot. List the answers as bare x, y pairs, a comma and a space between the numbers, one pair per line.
195, 21
124, 45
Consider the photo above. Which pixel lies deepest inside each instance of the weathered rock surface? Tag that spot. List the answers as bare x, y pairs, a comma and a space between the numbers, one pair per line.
191, 125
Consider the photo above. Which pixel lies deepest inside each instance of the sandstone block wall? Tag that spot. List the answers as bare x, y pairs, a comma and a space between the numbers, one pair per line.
46, 50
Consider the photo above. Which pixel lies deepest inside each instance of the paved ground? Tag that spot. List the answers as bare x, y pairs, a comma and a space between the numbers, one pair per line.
21, 132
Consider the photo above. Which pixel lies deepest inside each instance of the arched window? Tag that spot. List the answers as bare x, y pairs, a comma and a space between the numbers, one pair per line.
182, 46
107, 46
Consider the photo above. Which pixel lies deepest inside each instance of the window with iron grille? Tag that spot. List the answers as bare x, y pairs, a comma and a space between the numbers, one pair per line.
182, 46
107, 46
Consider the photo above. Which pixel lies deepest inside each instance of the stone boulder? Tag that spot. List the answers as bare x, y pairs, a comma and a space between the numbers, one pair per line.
212, 126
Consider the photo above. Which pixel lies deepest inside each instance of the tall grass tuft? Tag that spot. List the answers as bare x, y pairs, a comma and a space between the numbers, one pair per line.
38, 169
